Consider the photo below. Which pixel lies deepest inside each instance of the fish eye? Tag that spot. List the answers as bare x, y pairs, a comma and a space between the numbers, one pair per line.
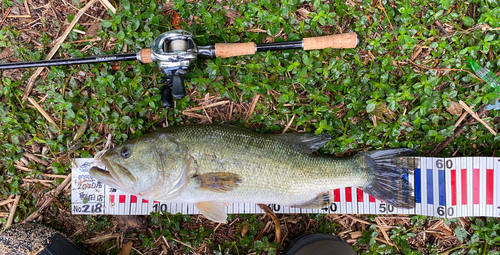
125, 153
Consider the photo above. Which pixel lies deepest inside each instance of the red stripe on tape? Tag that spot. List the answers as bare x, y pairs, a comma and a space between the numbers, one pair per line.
360, 195
155, 202
348, 195
489, 186
133, 199
372, 199
336, 195
475, 186
112, 198
144, 201
464, 186
453, 178
122, 199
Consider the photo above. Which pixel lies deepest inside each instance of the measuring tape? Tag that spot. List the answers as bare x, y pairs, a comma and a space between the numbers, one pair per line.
443, 187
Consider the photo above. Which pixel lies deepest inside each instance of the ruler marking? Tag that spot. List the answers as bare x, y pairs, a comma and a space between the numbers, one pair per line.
354, 197
360, 195
336, 195
343, 205
418, 190
482, 186
449, 208
442, 190
411, 180
436, 211
430, 186
470, 185
496, 208
348, 194
464, 187
467, 187
348, 200
476, 186
360, 199
372, 199
453, 177
458, 186
489, 186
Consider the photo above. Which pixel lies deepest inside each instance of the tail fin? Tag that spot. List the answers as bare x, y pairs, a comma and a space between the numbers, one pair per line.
388, 169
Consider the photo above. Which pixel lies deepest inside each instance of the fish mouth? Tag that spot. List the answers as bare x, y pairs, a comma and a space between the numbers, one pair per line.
117, 176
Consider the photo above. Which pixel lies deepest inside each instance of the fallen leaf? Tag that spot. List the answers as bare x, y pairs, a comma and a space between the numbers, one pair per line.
244, 230
7, 52
455, 108
128, 223
381, 111
126, 249
92, 30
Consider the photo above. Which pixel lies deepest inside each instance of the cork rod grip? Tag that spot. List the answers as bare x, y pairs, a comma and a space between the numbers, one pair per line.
226, 50
340, 41
146, 56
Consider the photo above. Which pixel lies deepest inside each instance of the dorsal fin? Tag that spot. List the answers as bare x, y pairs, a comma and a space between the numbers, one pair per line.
308, 142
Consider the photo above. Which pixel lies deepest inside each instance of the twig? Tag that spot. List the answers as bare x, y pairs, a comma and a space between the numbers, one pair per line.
288, 125
252, 107
35, 158
13, 211
276, 221
471, 112
381, 228
462, 117
108, 5
19, 16
49, 198
56, 47
206, 114
27, 8
207, 106
458, 131
43, 112
5, 16
194, 115
359, 220
444, 69
187, 245
7, 201
440, 26
383, 9
102, 238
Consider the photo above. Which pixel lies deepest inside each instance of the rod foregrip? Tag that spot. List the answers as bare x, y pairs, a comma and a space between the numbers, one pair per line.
339, 41
227, 50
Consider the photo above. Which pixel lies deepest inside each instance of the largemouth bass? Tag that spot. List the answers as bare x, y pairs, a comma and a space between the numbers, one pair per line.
212, 165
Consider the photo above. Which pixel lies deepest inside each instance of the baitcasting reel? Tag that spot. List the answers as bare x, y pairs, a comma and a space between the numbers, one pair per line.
175, 50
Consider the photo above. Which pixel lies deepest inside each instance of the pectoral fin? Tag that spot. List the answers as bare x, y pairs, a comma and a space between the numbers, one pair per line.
321, 201
215, 211
218, 182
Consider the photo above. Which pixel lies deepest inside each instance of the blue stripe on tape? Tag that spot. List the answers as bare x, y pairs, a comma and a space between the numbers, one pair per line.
430, 193
418, 186
442, 192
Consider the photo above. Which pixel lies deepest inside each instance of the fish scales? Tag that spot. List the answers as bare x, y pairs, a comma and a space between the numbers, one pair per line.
272, 171
210, 165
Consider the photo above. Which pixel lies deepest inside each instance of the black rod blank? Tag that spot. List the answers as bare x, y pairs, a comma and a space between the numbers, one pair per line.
292, 45
69, 61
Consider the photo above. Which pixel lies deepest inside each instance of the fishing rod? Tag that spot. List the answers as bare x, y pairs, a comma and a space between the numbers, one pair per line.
175, 50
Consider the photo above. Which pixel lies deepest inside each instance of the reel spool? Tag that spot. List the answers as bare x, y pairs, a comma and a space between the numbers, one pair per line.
173, 52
